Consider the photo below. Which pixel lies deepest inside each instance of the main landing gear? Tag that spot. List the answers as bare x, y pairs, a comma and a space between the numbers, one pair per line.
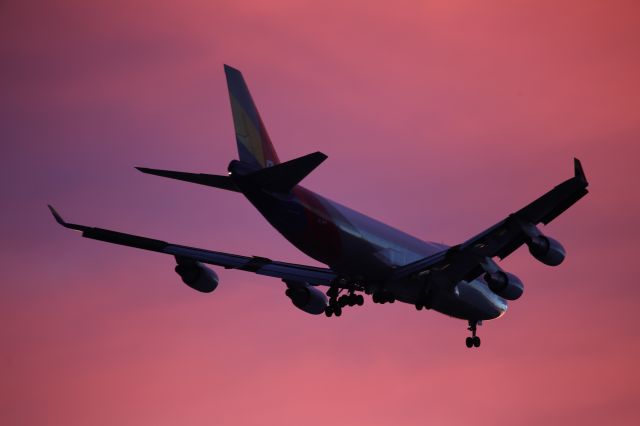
473, 340
426, 301
383, 297
337, 303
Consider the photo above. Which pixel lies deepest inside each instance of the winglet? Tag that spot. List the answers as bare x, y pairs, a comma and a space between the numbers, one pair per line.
579, 172
56, 215
61, 221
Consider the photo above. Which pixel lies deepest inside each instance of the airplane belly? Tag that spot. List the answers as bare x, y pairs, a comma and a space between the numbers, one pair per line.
317, 229
352, 244
309, 232
471, 301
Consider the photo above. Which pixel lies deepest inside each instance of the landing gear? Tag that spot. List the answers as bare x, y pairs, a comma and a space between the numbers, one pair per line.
337, 302
473, 340
383, 297
351, 299
424, 303
333, 310
333, 292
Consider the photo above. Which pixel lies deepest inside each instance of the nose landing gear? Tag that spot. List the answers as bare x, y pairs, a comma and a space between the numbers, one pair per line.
473, 340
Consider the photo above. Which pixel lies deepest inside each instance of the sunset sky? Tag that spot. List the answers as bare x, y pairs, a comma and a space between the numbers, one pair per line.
438, 117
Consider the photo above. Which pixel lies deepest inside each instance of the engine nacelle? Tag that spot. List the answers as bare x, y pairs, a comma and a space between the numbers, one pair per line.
546, 250
504, 284
306, 297
197, 276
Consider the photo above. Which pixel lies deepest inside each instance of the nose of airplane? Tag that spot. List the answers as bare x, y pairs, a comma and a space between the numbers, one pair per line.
496, 305
486, 303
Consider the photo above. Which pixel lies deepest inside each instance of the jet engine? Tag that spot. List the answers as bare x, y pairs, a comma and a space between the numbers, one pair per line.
306, 297
504, 284
197, 276
546, 250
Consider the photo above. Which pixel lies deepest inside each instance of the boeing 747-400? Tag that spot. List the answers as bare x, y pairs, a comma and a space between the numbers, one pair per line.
362, 255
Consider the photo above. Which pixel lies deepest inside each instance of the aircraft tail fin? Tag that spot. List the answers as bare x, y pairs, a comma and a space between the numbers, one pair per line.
283, 177
254, 144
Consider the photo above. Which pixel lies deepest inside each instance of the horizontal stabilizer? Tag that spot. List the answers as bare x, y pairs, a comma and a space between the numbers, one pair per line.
284, 176
217, 181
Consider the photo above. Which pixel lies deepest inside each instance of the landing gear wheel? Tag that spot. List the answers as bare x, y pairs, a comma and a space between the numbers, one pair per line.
328, 311
383, 297
351, 299
359, 300
419, 306
473, 340
333, 292
337, 311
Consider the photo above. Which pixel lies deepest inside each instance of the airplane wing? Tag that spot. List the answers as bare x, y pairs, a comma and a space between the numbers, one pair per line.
470, 259
259, 265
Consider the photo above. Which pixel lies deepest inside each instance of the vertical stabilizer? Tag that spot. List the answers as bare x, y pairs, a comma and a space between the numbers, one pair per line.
254, 145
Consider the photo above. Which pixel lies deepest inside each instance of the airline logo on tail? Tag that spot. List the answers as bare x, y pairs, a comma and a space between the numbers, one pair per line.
254, 144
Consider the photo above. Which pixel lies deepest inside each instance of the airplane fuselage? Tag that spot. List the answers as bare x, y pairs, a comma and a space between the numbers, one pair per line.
366, 250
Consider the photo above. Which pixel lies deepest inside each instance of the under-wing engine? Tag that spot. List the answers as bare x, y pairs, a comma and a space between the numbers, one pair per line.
196, 275
504, 284
546, 250
306, 297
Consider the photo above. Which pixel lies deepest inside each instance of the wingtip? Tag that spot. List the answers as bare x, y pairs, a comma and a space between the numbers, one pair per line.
317, 156
149, 171
62, 222
321, 155
579, 171
56, 215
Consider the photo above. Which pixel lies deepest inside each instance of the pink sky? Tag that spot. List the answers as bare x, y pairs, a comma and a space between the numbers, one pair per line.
439, 117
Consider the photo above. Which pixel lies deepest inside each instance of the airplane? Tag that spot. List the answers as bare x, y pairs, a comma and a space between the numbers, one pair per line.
362, 255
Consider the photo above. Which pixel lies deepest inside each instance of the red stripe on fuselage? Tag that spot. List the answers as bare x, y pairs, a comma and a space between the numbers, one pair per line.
321, 237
